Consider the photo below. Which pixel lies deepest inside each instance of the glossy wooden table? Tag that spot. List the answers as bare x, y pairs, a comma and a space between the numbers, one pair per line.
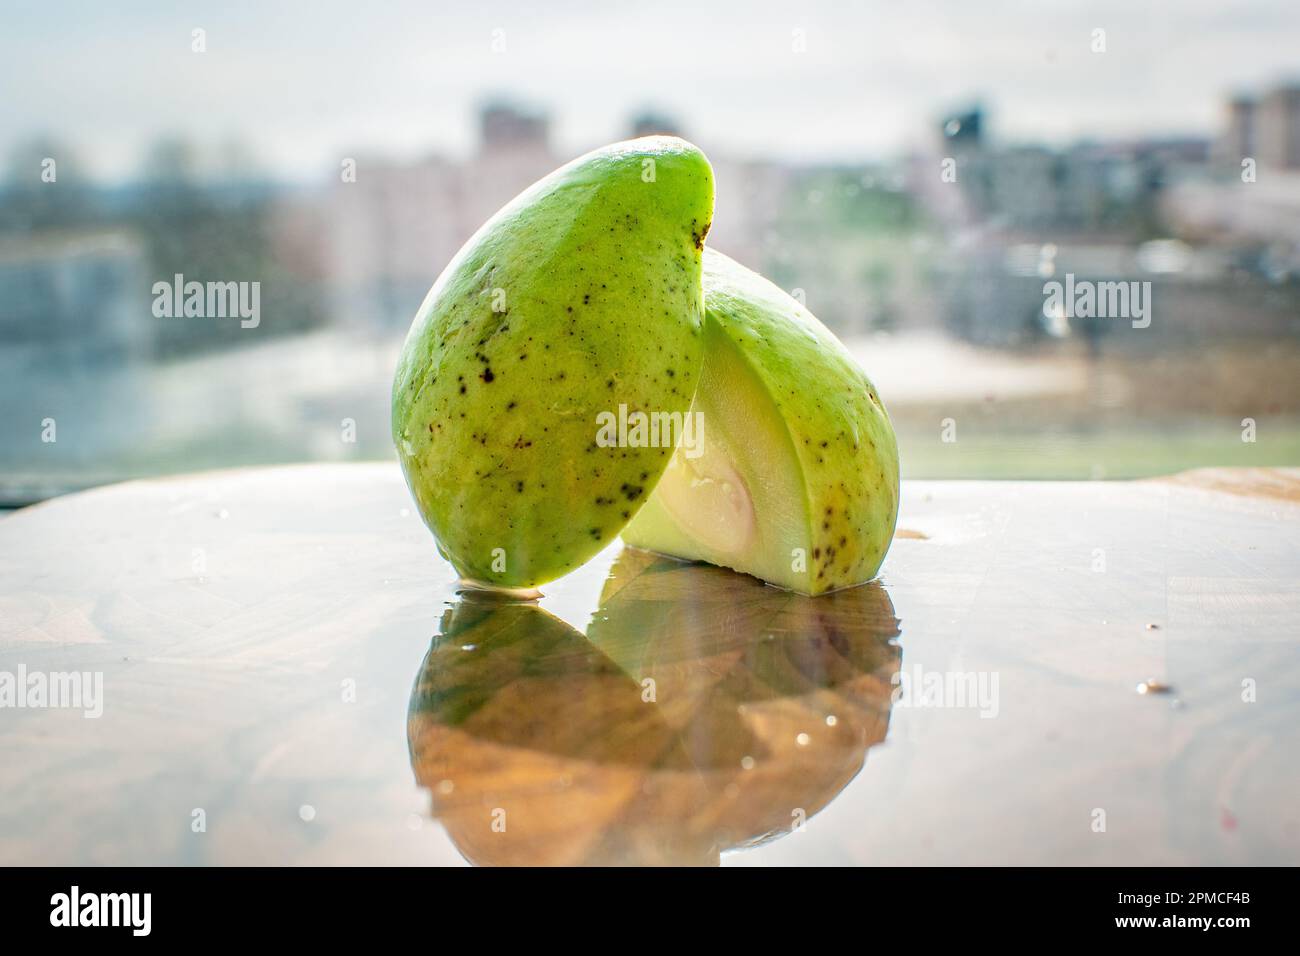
289, 676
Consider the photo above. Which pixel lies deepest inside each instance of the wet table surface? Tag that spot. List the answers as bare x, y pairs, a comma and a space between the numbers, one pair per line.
1044, 673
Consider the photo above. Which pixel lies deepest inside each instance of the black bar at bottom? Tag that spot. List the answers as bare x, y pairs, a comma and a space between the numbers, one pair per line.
332, 906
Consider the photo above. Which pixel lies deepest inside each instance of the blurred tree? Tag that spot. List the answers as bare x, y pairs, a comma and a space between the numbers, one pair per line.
44, 186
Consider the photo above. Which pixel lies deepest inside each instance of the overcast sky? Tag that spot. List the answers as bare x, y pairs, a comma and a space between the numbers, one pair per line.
406, 77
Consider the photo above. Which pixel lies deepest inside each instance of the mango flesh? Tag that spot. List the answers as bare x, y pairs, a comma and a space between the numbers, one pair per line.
581, 295
796, 482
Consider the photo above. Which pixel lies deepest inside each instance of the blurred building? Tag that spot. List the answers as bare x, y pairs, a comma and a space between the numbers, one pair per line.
514, 151
964, 130
81, 295
1264, 128
392, 230
75, 331
1238, 137
502, 126
1089, 187
1251, 210
651, 123
1018, 215
1278, 128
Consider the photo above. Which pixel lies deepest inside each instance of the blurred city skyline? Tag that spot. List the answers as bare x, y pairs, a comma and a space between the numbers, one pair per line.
809, 84
915, 176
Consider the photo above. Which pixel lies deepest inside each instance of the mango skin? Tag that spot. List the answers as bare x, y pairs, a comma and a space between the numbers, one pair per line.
844, 444
841, 432
583, 293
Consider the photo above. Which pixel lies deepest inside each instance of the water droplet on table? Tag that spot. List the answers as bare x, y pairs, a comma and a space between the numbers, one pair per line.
1153, 686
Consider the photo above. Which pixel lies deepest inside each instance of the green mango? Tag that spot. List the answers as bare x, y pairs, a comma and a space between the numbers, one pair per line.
794, 478
580, 297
